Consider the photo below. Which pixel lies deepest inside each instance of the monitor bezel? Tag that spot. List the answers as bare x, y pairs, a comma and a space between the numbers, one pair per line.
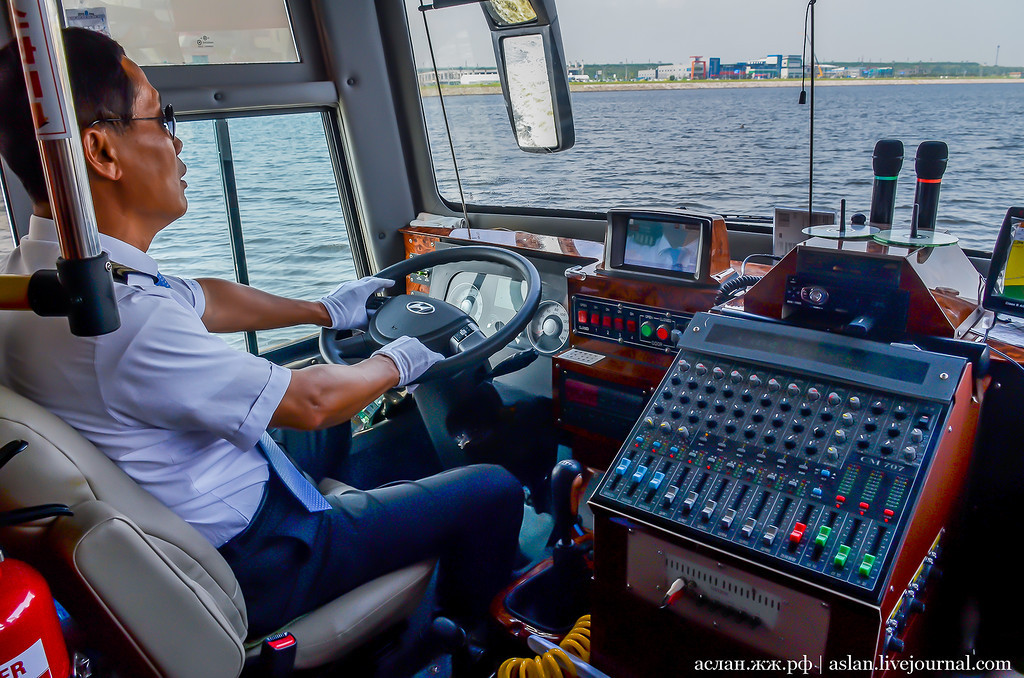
992, 301
615, 244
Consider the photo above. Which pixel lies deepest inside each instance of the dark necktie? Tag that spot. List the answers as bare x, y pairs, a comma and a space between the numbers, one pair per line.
292, 477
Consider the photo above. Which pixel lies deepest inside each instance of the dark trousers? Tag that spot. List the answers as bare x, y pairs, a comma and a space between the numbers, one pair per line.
289, 561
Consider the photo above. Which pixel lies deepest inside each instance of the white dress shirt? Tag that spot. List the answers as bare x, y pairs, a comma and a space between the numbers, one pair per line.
174, 406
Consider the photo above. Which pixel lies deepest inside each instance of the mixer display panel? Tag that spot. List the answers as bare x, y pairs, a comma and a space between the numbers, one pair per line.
790, 460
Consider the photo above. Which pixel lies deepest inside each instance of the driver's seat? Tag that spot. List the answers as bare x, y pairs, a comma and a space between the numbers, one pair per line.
148, 588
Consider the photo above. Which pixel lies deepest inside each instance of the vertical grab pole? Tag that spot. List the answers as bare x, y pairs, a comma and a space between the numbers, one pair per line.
83, 268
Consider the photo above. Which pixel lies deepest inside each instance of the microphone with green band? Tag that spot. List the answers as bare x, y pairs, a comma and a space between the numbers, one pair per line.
886, 162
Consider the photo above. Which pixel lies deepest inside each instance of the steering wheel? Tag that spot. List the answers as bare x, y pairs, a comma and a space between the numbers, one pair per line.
439, 325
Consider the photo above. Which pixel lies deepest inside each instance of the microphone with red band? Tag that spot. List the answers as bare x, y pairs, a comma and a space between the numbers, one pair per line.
886, 161
930, 165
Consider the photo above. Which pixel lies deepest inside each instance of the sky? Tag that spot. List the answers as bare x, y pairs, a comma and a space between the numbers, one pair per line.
670, 31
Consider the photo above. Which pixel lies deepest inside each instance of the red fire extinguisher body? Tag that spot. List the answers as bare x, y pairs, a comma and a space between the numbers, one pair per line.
31, 641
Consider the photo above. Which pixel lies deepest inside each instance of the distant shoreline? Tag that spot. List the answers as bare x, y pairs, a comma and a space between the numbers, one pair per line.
463, 90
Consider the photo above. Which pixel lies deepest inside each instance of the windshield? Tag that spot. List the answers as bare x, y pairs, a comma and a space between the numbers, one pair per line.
696, 105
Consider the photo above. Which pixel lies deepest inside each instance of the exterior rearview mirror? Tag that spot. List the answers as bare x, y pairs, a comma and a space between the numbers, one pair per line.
532, 70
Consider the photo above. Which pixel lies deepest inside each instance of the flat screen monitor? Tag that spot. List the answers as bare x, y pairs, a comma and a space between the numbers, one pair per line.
666, 244
1004, 287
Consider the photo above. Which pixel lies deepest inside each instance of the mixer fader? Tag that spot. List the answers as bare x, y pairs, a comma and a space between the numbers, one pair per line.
795, 448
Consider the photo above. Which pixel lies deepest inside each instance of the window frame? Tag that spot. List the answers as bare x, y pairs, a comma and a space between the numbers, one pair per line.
329, 117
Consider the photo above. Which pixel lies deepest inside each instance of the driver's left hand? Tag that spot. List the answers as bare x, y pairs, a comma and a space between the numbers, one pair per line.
347, 304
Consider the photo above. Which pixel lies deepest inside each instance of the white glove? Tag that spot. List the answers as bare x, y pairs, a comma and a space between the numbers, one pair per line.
411, 358
347, 304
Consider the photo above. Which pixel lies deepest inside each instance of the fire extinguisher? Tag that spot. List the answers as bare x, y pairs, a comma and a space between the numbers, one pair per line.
31, 640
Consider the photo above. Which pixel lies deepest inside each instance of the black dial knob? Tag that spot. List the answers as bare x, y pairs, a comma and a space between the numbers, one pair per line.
750, 432
658, 409
826, 414
667, 394
805, 410
769, 438
777, 421
785, 405
811, 450
746, 396
766, 401
675, 380
739, 413
757, 416
798, 426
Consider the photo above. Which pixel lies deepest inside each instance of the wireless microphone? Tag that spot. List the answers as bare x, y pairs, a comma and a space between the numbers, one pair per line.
886, 163
930, 165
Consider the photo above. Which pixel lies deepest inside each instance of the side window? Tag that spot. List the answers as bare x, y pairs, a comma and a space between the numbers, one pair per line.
264, 208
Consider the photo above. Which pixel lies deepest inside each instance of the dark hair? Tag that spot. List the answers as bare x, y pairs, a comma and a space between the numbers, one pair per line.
100, 87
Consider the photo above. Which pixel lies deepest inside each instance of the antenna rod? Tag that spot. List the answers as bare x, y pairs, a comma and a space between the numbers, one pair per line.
810, 160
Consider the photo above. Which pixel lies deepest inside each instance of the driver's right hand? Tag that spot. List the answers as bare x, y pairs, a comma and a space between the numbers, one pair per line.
411, 358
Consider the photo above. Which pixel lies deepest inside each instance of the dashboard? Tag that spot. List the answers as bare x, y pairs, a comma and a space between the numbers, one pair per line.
492, 299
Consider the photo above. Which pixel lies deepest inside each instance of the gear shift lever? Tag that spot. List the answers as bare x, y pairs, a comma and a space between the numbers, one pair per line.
562, 478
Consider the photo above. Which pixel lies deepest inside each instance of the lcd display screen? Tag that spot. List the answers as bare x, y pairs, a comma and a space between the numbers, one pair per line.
823, 351
662, 245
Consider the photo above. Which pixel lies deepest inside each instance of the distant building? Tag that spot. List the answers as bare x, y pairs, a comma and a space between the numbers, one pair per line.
673, 72
714, 67
575, 72
454, 76
792, 66
841, 71
479, 79
766, 68
880, 72
647, 74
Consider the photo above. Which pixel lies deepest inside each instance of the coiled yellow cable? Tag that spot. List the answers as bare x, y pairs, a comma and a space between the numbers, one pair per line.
554, 663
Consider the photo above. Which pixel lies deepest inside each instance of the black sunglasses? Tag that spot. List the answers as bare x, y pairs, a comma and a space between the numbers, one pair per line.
167, 120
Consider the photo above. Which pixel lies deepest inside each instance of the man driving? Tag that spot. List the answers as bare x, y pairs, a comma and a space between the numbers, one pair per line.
185, 415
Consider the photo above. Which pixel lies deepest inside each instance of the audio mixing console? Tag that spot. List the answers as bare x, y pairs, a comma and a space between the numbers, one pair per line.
800, 450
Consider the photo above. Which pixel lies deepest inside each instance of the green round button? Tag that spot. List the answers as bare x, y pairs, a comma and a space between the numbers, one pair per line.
646, 330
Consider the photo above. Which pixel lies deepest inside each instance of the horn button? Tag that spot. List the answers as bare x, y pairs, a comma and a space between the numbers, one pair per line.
433, 321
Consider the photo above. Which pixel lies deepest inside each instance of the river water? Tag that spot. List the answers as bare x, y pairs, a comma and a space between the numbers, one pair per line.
744, 150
